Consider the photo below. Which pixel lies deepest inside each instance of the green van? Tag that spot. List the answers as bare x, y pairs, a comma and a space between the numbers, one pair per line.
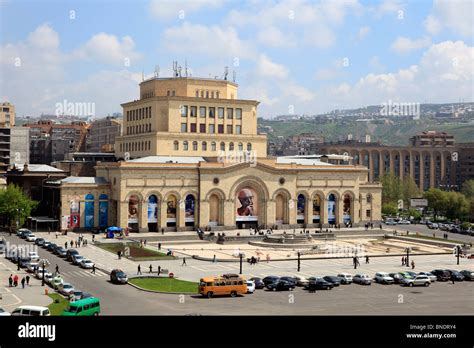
86, 307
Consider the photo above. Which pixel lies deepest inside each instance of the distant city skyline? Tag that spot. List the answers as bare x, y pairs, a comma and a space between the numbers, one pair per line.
301, 57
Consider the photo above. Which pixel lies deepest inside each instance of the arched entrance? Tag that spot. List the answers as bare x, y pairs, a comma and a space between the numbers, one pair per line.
133, 210
215, 209
190, 203
301, 209
332, 209
89, 211
171, 211
152, 213
347, 209
316, 209
281, 208
250, 206
103, 210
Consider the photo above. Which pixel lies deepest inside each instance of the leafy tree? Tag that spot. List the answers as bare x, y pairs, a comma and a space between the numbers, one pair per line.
15, 205
409, 189
437, 200
457, 206
391, 188
390, 209
415, 213
468, 189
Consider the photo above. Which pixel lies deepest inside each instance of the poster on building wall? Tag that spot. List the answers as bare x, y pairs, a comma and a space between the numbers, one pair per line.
65, 222
133, 210
171, 209
189, 208
300, 207
246, 203
103, 213
89, 212
316, 209
346, 209
75, 217
331, 211
152, 209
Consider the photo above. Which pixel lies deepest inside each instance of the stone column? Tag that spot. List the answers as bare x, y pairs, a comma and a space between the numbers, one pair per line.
392, 162
412, 165
143, 216
122, 214
229, 214
292, 207
381, 164
308, 211
443, 169
82, 210
432, 170
339, 210
356, 211
203, 212
371, 167
402, 165
324, 213
96, 212
180, 215
271, 212
164, 207
422, 172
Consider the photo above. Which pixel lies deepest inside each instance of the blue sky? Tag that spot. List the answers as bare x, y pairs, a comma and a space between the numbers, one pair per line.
306, 56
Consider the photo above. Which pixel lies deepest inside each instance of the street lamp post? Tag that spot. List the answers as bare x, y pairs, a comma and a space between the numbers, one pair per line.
43, 263
299, 261
408, 257
458, 248
241, 258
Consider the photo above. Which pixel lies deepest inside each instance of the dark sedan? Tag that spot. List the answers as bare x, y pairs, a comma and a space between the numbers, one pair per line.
259, 284
24, 261
336, 281
281, 285
441, 275
51, 247
61, 252
457, 275
39, 241
270, 279
468, 275
319, 284
289, 279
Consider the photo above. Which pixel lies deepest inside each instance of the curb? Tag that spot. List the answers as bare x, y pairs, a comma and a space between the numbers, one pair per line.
160, 292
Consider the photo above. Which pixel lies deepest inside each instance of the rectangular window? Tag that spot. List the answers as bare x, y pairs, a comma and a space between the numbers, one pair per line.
202, 111
212, 128
202, 128
367, 213
220, 112
229, 129
212, 112
193, 111
230, 113
238, 114
184, 127
184, 111
238, 129
193, 127
220, 129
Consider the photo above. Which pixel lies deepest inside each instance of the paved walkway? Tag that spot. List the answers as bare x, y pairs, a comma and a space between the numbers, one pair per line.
195, 269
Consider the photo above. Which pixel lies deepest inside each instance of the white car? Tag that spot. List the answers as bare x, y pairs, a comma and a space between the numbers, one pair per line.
390, 222
31, 238
363, 279
66, 289
404, 222
432, 277
383, 278
346, 278
250, 286
48, 278
301, 281
39, 273
4, 313
419, 280
32, 266
33, 255
86, 263
76, 259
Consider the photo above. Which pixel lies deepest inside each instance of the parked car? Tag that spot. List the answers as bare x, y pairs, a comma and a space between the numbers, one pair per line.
270, 279
4, 313
25, 233
404, 222
433, 226
383, 278
32, 266
281, 285
48, 278
432, 277
397, 278
468, 275
390, 222
56, 282
31, 311
3, 245
39, 273
259, 284
61, 252
76, 259
250, 287
46, 244
457, 275
70, 253
24, 262
363, 279
76, 295
39, 241
31, 237
336, 281
319, 284
86, 263
51, 247
441, 275
33, 255
289, 279
346, 278
419, 280
65, 289
408, 274
118, 276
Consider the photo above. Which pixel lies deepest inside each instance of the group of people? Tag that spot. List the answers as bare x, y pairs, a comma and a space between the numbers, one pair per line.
13, 281
142, 243
253, 260
405, 262
369, 224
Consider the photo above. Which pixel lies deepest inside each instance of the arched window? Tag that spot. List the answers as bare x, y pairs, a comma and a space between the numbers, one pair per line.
197, 93
231, 146
213, 146
204, 146
176, 145
241, 147
195, 145
185, 145
222, 146
249, 147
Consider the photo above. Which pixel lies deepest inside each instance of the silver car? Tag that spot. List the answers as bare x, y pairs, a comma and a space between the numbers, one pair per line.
419, 280
65, 289
363, 279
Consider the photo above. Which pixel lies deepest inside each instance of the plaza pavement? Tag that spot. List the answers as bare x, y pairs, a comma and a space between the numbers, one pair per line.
195, 269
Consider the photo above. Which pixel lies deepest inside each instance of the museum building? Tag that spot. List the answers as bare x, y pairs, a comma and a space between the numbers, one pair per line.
190, 156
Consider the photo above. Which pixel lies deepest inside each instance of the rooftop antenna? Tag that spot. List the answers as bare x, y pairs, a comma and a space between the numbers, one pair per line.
226, 72
234, 75
157, 70
186, 67
179, 70
175, 68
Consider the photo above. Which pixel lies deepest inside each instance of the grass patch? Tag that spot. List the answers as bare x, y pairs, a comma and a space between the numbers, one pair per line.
166, 285
438, 239
57, 308
137, 253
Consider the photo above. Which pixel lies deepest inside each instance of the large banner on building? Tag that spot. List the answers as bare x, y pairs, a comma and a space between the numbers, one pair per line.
75, 220
133, 210
331, 210
189, 208
316, 209
300, 207
247, 206
152, 209
171, 209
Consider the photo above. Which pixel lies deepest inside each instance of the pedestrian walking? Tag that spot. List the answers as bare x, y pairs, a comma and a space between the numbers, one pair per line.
366, 259
144, 243
71, 243
268, 258
412, 264
139, 270
57, 234
15, 280
23, 283
162, 231
357, 260
93, 238
57, 269
159, 246
214, 259
65, 245
403, 261
28, 280
159, 270
184, 262
10, 280
119, 254
151, 268
93, 268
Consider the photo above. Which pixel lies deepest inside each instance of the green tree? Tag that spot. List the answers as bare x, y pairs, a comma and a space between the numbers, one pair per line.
415, 213
457, 205
391, 188
437, 200
468, 189
390, 209
409, 189
15, 205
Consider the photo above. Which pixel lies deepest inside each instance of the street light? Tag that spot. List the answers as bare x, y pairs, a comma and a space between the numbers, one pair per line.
299, 261
43, 263
458, 254
408, 257
241, 255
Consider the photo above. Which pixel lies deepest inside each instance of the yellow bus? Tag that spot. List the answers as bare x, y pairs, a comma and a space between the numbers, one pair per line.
227, 284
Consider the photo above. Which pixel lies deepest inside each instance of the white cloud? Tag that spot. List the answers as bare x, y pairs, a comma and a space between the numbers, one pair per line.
404, 45
267, 68
388, 7
174, 9
455, 15
273, 37
108, 48
362, 33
